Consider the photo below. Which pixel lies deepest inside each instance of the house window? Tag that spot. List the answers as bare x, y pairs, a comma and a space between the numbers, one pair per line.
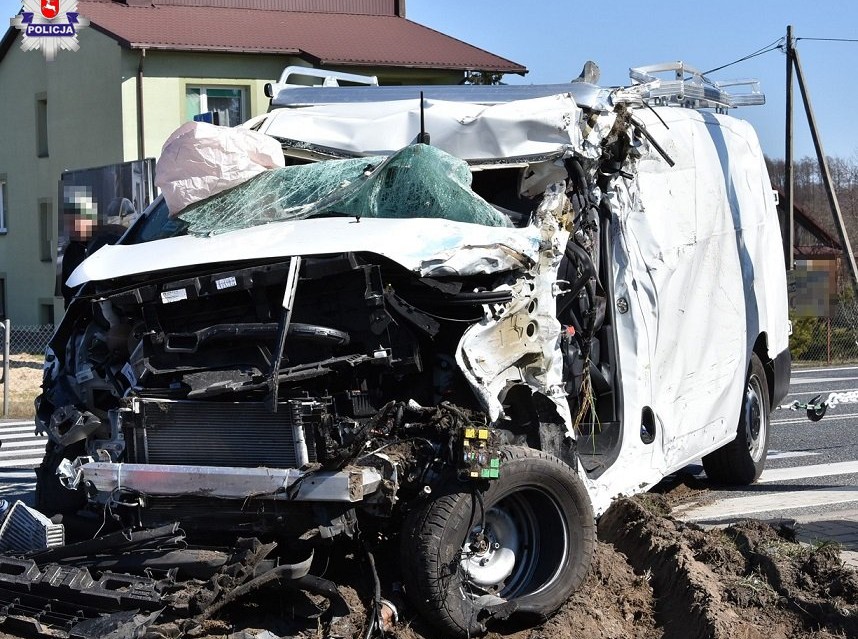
46, 312
42, 126
228, 103
46, 236
2, 298
3, 204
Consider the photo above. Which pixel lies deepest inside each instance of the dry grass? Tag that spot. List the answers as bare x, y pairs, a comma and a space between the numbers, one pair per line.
25, 379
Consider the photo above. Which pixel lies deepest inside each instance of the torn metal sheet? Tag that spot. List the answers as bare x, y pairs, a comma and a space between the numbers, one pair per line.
522, 128
442, 242
521, 346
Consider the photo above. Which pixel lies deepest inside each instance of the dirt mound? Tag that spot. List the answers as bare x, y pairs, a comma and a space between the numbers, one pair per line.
613, 602
745, 581
654, 576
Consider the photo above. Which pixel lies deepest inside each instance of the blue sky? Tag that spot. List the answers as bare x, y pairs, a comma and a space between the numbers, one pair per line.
553, 38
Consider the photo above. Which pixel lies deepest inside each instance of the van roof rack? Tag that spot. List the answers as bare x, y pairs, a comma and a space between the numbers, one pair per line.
587, 95
316, 77
691, 88
687, 88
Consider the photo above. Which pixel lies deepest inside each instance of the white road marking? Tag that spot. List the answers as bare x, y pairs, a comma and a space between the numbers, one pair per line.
18, 429
34, 450
6, 475
771, 502
824, 392
824, 370
19, 463
829, 416
822, 380
787, 454
6, 437
20, 447
802, 472
36, 444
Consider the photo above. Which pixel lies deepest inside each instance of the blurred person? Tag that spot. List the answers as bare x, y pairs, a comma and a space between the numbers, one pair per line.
80, 219
85, 234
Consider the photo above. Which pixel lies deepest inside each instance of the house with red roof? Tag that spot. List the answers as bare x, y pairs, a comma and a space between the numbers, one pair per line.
144, 67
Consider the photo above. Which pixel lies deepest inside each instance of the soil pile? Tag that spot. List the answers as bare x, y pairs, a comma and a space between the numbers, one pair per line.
746, 581
656, 577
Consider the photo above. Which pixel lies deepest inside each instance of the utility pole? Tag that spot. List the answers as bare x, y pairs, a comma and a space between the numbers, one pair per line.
826, 174
788, 232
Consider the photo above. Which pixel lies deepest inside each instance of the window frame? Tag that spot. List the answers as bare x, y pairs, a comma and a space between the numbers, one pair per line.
42, 142
204, 87
46, 230
47, 311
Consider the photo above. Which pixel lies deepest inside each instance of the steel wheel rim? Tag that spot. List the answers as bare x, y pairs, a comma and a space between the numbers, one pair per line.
754, 418
510, 557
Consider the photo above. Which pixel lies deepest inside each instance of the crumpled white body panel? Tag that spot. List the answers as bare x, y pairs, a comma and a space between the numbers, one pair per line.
699, 292
420, 244
468, 131
522, 345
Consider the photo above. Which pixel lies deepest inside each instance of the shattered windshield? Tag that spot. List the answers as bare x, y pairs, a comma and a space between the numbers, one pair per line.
418, 181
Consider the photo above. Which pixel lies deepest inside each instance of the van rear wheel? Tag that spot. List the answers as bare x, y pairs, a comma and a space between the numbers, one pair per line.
741, 462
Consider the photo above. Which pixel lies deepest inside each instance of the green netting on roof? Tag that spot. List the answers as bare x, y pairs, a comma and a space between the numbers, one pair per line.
418, 181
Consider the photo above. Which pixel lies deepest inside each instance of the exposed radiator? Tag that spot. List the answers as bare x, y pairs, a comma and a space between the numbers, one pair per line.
242, 434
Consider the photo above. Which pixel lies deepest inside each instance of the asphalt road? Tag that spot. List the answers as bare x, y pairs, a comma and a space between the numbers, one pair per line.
811, 474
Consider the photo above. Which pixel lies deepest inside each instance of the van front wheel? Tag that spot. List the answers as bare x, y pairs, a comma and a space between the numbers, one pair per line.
741, 462
519, 544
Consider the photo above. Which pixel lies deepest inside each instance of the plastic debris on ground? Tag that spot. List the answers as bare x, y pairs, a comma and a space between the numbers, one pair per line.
25, 529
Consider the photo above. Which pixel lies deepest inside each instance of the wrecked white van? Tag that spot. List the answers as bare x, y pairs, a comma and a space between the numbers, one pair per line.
464, 346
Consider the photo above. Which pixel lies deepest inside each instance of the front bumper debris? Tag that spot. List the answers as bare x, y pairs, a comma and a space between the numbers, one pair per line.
160, 480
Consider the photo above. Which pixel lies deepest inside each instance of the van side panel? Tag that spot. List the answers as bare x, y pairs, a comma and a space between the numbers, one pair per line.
698, 259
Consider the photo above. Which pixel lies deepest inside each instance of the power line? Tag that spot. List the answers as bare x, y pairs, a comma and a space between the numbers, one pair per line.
830, 39
777, 44
766, 49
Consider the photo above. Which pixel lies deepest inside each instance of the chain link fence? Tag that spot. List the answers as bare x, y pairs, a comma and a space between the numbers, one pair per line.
21, 369
30, 339
817, 341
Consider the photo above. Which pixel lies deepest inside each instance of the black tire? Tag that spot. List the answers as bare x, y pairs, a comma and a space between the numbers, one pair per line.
539, 543
741, 462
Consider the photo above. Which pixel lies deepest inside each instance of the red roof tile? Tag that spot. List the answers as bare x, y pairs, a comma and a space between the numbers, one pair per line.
325, 38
